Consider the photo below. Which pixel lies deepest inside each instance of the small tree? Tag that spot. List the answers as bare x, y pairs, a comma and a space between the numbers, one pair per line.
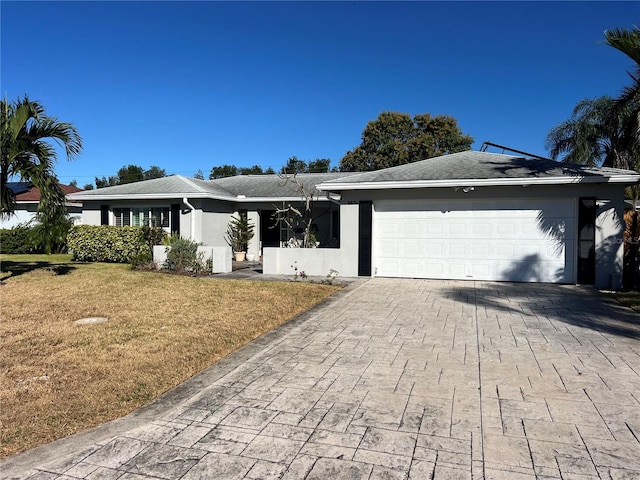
298, 219
240, 231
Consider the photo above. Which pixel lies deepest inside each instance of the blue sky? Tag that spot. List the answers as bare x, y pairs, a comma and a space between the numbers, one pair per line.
192, 85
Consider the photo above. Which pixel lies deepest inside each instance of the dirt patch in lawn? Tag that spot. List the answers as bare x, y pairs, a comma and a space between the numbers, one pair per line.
57, 377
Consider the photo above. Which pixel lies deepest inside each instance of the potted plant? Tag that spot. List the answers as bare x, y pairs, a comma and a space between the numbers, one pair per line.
239, 233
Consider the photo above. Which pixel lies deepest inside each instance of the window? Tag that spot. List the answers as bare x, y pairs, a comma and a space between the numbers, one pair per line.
121, 217
160, 217
142, 217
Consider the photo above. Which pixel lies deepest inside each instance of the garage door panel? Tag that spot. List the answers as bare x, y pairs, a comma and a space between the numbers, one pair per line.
517, 240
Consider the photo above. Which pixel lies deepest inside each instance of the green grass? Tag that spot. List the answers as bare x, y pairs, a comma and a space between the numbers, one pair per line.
629, 299
15, 265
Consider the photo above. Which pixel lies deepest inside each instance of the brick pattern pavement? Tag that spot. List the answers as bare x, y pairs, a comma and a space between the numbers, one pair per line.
409, 379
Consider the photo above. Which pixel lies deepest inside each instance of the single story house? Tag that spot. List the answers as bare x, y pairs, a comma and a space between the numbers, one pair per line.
27, 199
465, 216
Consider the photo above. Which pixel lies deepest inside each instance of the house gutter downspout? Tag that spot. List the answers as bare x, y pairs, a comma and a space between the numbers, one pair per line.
192, 224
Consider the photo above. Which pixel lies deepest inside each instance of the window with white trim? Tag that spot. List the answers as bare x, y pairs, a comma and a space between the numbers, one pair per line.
122, 217
142, 217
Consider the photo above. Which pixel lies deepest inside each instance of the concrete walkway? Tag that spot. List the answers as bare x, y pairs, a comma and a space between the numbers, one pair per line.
394, 379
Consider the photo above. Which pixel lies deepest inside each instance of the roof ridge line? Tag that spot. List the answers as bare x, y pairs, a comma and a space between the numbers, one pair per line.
202, 190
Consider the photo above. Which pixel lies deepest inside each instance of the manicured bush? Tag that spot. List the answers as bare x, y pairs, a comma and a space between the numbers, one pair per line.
183, 254
17, 240
106, 243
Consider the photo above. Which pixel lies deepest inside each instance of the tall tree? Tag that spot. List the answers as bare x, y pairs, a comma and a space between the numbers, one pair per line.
154, 172
255, 170
397, 138
627, 41
319, 165
294, 165
597, 133
605, 131
223, 171
106, 182
130, 174
28, 155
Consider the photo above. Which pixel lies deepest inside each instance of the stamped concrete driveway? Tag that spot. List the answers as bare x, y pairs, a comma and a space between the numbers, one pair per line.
395, 379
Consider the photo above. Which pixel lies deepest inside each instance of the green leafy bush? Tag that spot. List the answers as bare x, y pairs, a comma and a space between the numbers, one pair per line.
106, 243
153, 235
182, 254
17, 240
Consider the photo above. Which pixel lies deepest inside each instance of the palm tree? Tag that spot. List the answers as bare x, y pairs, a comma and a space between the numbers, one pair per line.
627, 41
27, 154
597, 133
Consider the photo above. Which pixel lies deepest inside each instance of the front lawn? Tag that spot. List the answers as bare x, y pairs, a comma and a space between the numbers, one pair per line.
57, 378
629, 299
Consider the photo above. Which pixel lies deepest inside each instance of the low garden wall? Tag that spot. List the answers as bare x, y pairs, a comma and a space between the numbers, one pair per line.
221, 257
312, 261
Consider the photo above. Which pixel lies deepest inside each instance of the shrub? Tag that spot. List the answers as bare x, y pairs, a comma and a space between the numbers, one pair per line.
182, 255
17, 240
106, 243
153, 236
143, 261
50, 234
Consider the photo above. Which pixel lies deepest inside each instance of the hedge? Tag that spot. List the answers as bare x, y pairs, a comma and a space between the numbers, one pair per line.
17, 240
107, 243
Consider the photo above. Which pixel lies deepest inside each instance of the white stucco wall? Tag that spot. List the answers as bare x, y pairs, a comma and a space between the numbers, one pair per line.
20, 216
319, 261
221, 257
26, 212
609, 243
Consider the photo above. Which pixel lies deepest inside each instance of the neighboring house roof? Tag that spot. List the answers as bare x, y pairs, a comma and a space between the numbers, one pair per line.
240, 188
19, 187
473, 168
33, 193
26, 192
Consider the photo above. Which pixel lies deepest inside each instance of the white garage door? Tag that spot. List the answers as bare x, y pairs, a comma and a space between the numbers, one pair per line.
508, 240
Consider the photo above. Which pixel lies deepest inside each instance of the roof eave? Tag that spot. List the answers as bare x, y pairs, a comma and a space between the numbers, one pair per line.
278, 199
147, 196
157, 196
482, 182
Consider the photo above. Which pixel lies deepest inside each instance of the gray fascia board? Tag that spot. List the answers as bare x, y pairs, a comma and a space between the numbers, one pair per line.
149, 196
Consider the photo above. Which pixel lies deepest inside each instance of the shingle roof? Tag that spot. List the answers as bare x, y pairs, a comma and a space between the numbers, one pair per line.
473, 165
230, 188
171, 186
27, 192
261, 186
458, 168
